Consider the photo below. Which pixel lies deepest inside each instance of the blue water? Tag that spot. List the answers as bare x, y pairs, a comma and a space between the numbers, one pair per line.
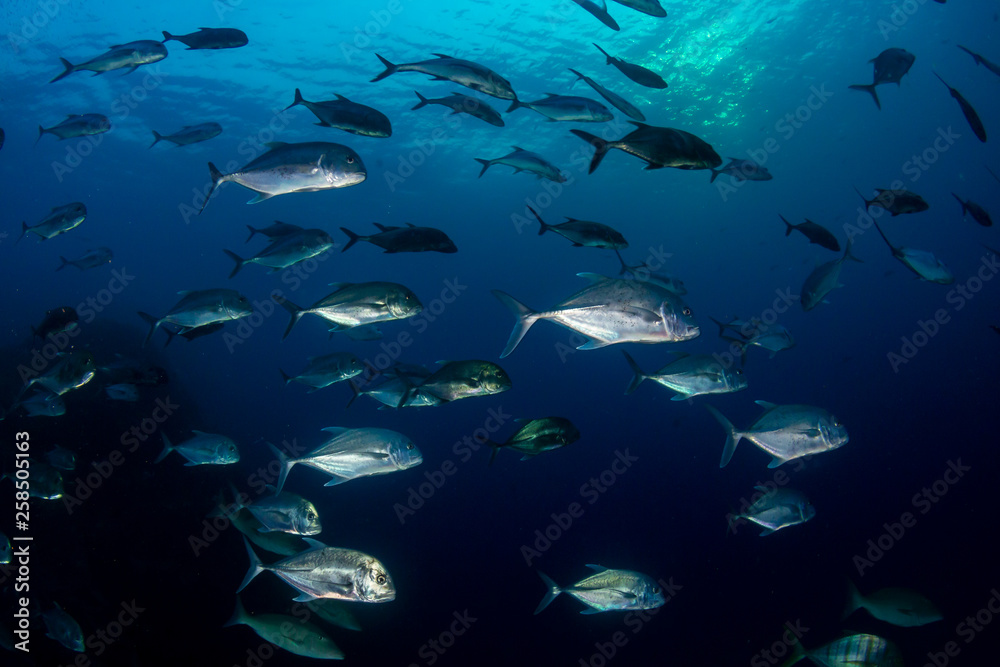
762, 80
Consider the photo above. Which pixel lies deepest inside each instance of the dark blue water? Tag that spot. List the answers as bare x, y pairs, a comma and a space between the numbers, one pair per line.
642, 489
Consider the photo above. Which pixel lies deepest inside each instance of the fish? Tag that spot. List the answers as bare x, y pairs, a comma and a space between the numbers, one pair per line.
335, 613
970, 114
70, 371
650, 7
690, 375
56, 321
46, 481
364, 332
921, 262
642, 273
120, 56
189, 134
995, 177
286, 250
978, 213
281, 512
637, 73
775, 509
890, 67
328, 572
286, 168
189, 334
786, 432
823, 279
63, 628
608, 590
600, 12
404, 239
89, 260
610, 311
198, 308
60, 220
773, 338
614, 99
42, 404
903, 607
77, 125
566, 108
122, 392
396, 392
584, 233
356, 304
2, 137
274, 230
537, 436
817, 234
522, 160
202, 449
460, 103
463, 72
861, 650
658, 146
325, 370
293, 634
742, 170
352, 453
343, 114
993, 67
130, 371
285, 544
6, 554
61, 458
460, 379
896, 202
210, 38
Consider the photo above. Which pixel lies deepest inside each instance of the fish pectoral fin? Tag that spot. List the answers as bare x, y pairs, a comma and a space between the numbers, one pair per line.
596, 568
775, 462
305, 597
766, 405
335, 480
653, 166
594, 344
766, 532
588, 612
261, 196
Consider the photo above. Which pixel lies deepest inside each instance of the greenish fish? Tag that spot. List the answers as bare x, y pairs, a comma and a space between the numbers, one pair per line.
292, 634
608, 590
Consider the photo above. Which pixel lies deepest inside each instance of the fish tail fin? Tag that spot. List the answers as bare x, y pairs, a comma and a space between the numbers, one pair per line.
610, 59
870, 89
962, 203
238, 503
525, 318
256, 567
298, 100
715, 175
798, 653
167, 36
600, 148
69, 68
733, 436
157, 138
352, 238
41, 131
544, 227
294, 310
65, 263
389, 69
355, 392
153, 324
423, 102
252, 233
516, 104
286, 465
621, 260
239, 616
170, 336
217, 179
552, 593
847, 251
579, 77
867, 202
167, 448
24, 230
637, 375
486, 165
789, 227
494, 448
240, 262
285, 376
854, 600
721, 325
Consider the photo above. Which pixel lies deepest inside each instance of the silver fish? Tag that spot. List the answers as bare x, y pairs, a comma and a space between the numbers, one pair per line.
659, 146
776, 509
328, 572
42, 404
522, 160
119, 56
189, 134
461, 379
613, 98
773, 338
742, 170
823, 279
608, 590
71, 371
396, 392
287, 250
355, 452
122, 392
921, 262
63, 628
900, 606
287, 168
460, 103
61, 458
689, 376
610, 311
293, 634
463, 72
566, 108
60, 220
355, 304
786, 432
89, 260
199, 308
584, 232
327, 369
203, 448
343, 114
281, 512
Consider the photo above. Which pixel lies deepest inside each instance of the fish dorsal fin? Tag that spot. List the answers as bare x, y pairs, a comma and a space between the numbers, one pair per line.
762, 488
518, 148
411, 225
639, 125
381, 228
341, 97
766, 404
314, 544
441, 55
197, 432
185, 292
442, 362
271, 145
335, 430
594, 278
68, 116
339, 286
597, 568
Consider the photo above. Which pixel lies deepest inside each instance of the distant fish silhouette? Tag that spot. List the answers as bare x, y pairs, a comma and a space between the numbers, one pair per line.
993, 67
890, 66
967, 110
600, 12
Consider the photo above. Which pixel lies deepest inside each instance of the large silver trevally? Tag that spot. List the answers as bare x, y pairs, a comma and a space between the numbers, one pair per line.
295, 635
921, 262
786, 432
343, 114
287, 168
463, 72
119, 56
60, 220
522, 160
659, 146
189, 134
776, 509
566, 108
202, 449
286, 250
860, 650
461, 379
327, 369
281, 512
63, 628
328, 572
608, 590
355, 452
77, 125
609, 311
198, 308
89, 260
396, 392
900, 606
356, 304
459, 103
613, 98
823, 279
690, 375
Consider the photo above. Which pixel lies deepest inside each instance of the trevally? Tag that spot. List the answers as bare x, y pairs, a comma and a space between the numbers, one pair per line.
41, 404
119, 56
522, 160
356, 304
461, 379
690, 375
281, 512
327, 369
404, 239
210, 38
274, 230
295, 635
122, 392
608, 590
203, 448
742, 170
89, 260
463, 72
851, 651
467, 104
60, 220
890, 66
921, 262
817, 234
62, 458
46, 481
776, 509
638, 73
63, 628
823, 279
613, 98
343, 114
286, 250
189, 134
537, 436
77, 125
70, 371
896, 202
659, 146
584, 233
198, 308
900, 606
566, 108
978, 213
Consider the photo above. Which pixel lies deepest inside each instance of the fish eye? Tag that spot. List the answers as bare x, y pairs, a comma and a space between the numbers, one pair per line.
686, 311
656, 590
350, 160
410, 446
739, 371
380, 580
